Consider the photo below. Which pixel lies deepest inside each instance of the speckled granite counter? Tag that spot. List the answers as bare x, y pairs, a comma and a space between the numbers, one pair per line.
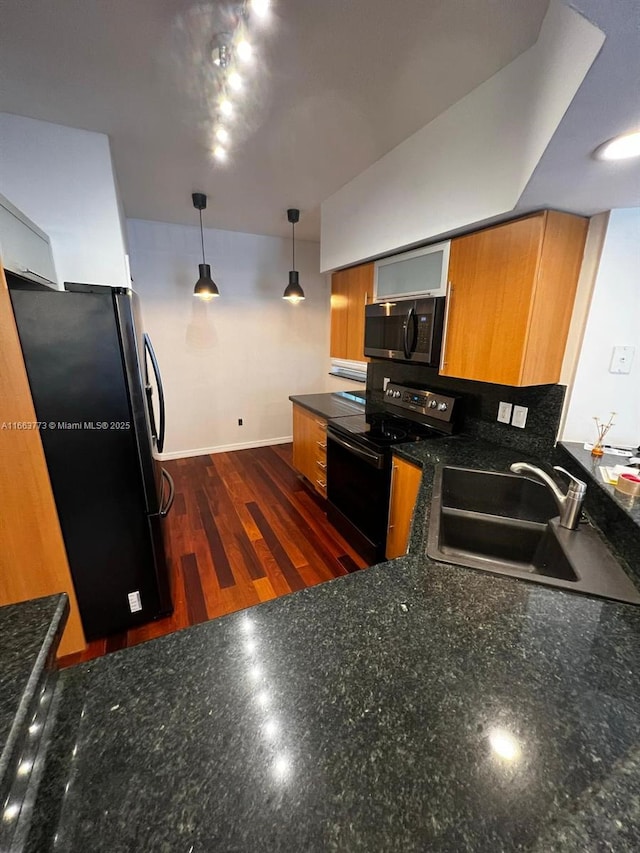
29, 636
330, 405
408, 707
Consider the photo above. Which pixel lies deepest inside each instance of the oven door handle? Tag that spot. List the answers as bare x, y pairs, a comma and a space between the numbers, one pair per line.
376, 460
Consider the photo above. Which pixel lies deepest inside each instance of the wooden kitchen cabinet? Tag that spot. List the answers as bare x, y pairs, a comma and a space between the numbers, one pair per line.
351, 290
310, 447
511, 295
405, 482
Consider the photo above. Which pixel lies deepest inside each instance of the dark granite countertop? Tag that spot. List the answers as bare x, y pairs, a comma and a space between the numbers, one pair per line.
27, 634
338, 404
408, 707
590, 465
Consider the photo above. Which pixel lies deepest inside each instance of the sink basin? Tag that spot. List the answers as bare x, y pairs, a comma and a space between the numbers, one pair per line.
507, 524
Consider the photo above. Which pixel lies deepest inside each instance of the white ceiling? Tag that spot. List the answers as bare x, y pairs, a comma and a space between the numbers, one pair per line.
341, 83
568, 177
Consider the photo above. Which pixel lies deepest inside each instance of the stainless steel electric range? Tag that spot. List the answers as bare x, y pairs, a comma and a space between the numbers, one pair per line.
359, 450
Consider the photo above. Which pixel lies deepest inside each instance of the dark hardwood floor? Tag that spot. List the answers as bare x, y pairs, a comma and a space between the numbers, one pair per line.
243, 529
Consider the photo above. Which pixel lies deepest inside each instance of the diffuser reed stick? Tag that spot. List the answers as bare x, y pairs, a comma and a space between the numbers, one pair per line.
602, 430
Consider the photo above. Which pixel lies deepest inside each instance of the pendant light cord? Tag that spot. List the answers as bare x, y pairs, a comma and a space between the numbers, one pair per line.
202, 238
293, 244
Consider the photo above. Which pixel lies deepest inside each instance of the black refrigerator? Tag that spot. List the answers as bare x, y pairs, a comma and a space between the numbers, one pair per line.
93, 374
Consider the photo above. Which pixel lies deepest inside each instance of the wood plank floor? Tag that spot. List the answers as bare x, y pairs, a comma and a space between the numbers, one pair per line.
243, 529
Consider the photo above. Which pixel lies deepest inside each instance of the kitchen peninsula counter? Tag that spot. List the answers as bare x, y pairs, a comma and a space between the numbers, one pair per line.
408, 707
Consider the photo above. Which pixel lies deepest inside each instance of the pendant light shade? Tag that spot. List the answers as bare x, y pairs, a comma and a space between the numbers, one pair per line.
206, 288
293, 292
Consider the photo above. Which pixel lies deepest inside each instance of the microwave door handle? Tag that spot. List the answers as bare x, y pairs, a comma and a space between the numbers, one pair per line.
405, 341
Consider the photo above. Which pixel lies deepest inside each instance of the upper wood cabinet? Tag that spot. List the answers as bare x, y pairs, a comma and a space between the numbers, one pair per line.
351, 289
512, 289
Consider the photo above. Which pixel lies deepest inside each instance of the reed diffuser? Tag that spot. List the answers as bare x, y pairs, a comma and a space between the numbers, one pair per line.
602, 430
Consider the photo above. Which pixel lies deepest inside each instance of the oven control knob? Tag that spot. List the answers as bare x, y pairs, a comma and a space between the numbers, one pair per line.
389, 392
396, 393
433, 404
442, 407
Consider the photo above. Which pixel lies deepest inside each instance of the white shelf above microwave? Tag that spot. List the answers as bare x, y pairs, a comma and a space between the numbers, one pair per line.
421, 272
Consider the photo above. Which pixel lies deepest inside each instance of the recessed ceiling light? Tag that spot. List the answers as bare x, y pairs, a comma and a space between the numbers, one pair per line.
260, 7
222, 134
244, 50
235, 81
620, 147
220, 153
226, 107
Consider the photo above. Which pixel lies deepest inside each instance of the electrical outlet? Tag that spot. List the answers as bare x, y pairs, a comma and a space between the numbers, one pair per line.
239, 421
504, 413
519, 416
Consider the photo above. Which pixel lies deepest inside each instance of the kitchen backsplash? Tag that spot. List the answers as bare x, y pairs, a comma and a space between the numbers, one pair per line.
480, 404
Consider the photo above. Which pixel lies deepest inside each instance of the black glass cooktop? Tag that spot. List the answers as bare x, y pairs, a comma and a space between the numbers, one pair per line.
382, 429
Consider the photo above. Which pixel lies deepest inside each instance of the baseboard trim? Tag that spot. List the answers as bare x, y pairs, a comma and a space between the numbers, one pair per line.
224, 448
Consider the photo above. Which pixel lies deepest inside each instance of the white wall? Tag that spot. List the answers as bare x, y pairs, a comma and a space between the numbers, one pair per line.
239, 356
62, 179
470, 163
614, 320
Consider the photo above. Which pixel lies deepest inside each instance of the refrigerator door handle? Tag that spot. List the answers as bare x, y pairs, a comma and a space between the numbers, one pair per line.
172, 493
156, 369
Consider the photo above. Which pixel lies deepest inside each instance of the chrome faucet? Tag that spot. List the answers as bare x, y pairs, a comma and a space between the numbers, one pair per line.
570, 505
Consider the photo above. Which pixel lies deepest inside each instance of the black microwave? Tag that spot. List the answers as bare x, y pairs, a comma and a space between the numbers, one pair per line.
407, 330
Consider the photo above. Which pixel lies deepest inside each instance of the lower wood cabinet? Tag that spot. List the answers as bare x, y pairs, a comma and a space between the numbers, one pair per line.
310, 447
405, 482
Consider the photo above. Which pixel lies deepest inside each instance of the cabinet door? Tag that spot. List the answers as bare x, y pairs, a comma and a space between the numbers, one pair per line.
351, 289
422, 272
310, 447
360, 293
405, 482
492, 275
339, 313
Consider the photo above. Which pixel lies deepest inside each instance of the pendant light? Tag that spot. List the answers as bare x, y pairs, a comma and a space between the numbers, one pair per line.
293, 292
206, 287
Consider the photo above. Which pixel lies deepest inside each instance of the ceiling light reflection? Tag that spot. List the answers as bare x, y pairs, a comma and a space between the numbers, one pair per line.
263, 698
271, 728
222, 134
250, 646
255, 673
12, 811
24, 767
226, 107
220, 153
235, 81
504, 744
282, 768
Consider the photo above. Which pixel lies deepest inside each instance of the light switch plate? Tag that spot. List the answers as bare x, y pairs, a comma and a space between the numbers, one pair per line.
385, 382
519, 416
504, 413
621, 359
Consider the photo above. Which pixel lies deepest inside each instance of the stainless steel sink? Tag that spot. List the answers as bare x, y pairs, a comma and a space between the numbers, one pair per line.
507, 524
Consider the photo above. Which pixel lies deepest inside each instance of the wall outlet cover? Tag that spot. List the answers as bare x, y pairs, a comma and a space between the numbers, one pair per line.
519, 416
504, 413
621, 359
